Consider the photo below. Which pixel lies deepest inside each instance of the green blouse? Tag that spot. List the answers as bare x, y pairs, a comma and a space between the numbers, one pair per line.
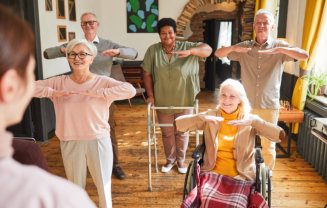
175, 82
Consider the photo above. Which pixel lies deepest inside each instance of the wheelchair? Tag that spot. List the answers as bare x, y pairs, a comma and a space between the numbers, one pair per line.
262, 180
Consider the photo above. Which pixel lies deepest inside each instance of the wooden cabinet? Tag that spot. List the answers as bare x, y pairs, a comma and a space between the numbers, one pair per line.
133, 72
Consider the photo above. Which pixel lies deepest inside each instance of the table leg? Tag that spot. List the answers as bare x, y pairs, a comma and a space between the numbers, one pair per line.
288, 152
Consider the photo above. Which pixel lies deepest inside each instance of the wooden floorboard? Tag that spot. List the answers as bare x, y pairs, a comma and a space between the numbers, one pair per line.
295, 182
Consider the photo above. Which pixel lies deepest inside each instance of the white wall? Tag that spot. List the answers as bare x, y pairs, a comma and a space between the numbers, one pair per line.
294, 29
49, 37
113, 23
112, 17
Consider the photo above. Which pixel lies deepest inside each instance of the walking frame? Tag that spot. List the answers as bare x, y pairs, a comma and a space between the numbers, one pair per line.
152, 140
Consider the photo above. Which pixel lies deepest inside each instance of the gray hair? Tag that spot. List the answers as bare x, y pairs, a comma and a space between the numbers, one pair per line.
267, 13
87, 13
245, 106
92, 49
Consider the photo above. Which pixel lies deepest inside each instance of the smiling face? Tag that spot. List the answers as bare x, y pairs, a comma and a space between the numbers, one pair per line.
92, 24
78, 63
167, 35
262, 26
229, 99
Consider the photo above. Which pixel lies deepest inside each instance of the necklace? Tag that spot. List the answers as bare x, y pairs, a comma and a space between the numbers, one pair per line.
168, 51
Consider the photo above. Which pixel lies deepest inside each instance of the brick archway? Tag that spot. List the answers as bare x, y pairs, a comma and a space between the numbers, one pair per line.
191, 7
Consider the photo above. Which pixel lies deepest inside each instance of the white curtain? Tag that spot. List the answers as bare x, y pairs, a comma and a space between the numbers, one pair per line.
225, 38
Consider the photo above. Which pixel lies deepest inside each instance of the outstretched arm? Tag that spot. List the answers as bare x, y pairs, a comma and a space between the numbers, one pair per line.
296, 53
55, 52
224, 51
203, 50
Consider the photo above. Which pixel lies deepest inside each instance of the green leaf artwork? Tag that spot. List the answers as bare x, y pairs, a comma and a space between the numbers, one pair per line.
142, 16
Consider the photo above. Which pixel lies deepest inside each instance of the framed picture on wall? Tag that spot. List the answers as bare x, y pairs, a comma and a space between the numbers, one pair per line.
61, 9
62, 33
142, 16
48, 5
71, 36
72, 10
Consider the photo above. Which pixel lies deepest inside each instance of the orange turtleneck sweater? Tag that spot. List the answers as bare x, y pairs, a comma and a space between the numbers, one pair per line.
225, 163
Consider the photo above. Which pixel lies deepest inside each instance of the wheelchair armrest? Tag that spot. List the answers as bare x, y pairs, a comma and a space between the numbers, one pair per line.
258, 156
198, 151
26, 138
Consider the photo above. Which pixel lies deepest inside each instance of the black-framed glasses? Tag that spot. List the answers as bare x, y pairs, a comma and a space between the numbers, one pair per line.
84, 23
81, 55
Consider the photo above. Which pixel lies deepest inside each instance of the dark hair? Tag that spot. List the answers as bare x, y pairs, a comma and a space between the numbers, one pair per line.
17, 42
166, 22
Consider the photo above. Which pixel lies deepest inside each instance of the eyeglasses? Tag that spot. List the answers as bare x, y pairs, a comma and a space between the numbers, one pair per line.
84, 23
80, 55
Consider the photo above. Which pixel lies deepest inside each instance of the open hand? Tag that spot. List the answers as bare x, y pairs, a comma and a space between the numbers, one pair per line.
243, 122
241, 49
111, 52
211, 119
182, 54
90, 93
270, 51
63, 50
57, 93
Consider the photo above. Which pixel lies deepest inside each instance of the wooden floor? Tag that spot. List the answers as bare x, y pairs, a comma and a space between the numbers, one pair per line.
295, 182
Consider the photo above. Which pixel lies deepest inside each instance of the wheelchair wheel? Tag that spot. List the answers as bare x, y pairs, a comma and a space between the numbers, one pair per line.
266, 184
263, 181
190, 179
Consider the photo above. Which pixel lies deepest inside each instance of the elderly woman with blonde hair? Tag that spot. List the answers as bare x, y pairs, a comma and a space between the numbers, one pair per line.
81, 102
230, 134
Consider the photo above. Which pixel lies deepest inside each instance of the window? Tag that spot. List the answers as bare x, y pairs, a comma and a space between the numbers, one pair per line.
321, 61
225, 38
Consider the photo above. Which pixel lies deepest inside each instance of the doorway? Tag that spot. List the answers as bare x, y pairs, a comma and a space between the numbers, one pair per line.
218, 33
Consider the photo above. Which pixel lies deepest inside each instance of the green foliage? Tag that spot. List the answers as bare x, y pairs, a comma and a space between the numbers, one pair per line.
316, 81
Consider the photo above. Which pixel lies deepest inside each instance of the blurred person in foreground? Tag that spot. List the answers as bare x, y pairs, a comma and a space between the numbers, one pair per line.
23, 185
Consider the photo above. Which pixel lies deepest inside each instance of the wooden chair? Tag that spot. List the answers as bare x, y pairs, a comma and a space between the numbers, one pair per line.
117, 73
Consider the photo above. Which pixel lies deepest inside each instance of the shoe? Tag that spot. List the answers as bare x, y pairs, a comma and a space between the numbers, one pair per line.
182, 170
119, 173
165, 169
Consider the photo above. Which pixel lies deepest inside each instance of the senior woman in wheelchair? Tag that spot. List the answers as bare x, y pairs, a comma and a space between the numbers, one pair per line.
229, 138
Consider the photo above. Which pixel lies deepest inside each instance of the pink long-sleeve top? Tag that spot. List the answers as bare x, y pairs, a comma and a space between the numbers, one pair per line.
81, 117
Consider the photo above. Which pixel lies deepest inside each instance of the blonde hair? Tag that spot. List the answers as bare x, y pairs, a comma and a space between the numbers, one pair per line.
93, 50
244, 106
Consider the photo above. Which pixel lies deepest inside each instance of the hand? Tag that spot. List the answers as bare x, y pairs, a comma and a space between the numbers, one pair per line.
90, 93
243, 122
63, 50
211, 119
182, 54
111, 52
241, 49
270, 51
150, 99
62, 93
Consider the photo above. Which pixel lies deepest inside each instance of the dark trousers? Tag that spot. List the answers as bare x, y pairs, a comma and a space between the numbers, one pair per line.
113, 134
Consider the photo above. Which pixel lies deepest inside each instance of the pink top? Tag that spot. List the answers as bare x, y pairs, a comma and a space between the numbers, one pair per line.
31, 187
81, 117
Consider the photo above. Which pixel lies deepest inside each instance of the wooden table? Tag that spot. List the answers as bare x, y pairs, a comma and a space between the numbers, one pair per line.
289, 116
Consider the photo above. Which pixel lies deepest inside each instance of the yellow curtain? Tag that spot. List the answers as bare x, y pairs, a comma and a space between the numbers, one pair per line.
314, 19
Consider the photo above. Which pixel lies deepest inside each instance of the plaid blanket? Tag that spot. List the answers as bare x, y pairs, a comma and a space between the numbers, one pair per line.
217, 190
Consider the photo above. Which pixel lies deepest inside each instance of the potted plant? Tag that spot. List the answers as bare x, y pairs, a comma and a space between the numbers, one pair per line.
317, 83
